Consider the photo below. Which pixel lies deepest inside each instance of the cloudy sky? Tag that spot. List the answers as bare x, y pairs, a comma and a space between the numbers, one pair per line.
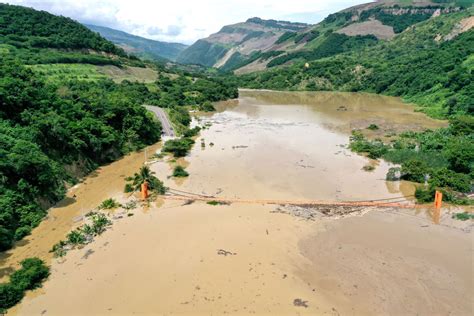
185, 21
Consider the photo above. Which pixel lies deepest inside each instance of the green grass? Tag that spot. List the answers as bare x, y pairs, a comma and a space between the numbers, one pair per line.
56, 73
463, 216
109, 204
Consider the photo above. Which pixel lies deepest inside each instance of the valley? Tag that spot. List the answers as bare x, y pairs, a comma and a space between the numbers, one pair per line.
272, 260
271, 167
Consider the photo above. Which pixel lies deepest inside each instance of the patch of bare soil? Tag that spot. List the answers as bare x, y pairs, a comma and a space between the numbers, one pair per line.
256, 65
372, 27
128, 73
463, 26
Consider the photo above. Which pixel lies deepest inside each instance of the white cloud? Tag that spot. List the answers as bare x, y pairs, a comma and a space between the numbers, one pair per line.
184, 20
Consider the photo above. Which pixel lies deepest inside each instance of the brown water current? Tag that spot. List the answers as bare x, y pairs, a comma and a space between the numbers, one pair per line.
247, 258
286, 145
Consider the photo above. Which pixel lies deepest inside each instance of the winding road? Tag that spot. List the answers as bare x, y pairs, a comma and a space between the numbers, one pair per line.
165, 122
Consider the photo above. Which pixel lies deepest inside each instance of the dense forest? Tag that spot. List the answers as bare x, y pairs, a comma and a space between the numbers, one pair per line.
24, 27
45, 133
53, 131
39, 37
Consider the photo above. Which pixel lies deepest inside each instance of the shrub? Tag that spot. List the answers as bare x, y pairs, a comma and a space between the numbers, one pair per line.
30, 276
368, 168
447, 178
191, 132
415, 170
33, 271
373, 127
178, 147
9, 296
393, 174
207, 107
99, 223
87, 229
58, 249
128, 188
76, 237
425, 195
109, 204
214, 203
179, 172
374, 149
463, 216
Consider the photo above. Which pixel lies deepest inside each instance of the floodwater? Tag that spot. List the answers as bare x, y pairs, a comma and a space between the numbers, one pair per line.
244, 258
287, 145
107, 181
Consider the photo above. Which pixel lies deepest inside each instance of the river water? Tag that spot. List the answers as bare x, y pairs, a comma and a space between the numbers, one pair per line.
287, 145
197, 259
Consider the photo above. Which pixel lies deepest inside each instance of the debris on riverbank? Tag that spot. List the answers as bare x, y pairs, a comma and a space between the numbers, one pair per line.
313, 212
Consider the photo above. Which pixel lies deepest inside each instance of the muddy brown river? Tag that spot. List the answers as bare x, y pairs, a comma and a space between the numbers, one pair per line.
174, 257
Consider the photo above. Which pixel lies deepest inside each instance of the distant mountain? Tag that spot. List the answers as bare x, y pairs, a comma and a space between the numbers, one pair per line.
142, 47
257, 44
235, 43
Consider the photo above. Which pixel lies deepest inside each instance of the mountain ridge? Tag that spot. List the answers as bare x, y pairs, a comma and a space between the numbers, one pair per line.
140, 46
237, 42
357, 26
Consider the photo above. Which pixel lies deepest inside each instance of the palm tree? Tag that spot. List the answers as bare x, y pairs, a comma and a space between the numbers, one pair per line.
146, 175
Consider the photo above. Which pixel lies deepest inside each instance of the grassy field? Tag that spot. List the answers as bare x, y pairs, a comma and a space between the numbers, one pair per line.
62, 72
145, 75
87, 72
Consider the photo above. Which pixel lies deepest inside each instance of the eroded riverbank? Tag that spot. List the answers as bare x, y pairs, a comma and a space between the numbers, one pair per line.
198, 259
101, 184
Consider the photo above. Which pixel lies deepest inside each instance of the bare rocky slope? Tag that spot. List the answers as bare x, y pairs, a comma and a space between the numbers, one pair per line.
236, 43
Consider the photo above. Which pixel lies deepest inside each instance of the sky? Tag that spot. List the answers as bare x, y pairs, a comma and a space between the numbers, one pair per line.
185, 21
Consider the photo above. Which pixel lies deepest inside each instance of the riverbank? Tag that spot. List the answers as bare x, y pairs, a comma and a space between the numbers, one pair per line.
105, 182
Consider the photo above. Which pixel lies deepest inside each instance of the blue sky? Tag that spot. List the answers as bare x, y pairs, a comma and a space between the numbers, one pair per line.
185, 21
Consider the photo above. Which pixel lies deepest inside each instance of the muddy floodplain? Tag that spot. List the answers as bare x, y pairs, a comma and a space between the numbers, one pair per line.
192, 258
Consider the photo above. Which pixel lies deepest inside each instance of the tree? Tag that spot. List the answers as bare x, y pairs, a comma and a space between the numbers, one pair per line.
146, 175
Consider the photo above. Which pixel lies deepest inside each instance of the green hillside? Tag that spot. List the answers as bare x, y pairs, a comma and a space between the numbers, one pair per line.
27, 28
139, 46
348, 30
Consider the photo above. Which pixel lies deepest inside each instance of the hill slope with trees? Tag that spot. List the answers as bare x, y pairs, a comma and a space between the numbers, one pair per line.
142, 47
